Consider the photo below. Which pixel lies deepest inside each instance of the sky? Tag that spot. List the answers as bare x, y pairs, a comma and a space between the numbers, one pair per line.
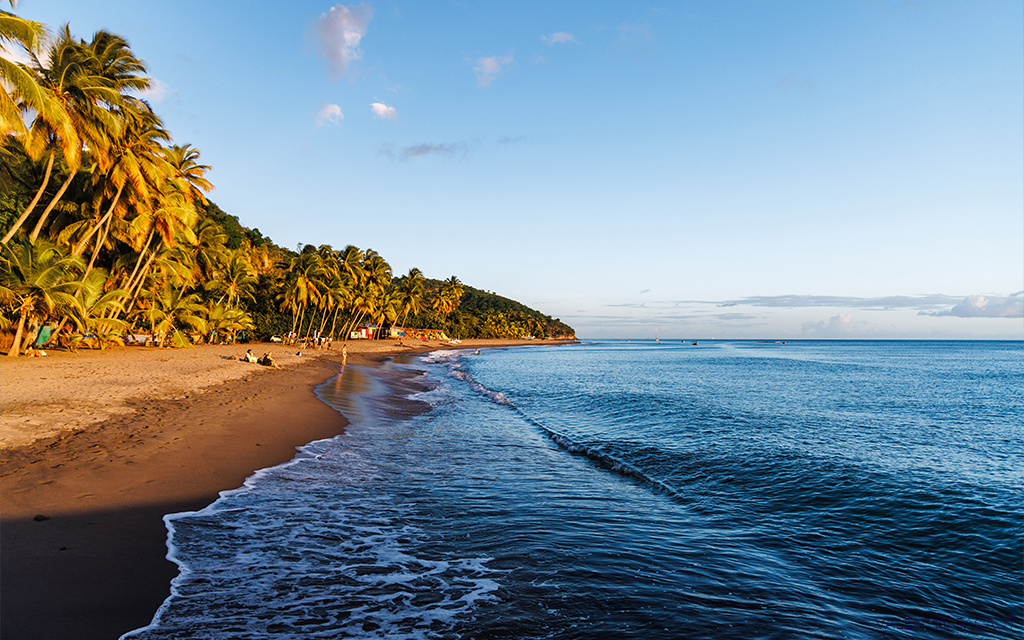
743, 169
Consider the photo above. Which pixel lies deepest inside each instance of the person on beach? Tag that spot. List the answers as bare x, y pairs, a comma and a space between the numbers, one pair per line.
267, 361
248, 357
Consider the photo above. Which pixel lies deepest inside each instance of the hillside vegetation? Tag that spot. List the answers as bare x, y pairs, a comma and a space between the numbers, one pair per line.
107, 230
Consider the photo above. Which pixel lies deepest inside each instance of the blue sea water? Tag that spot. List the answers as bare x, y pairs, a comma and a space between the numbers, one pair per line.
635, 490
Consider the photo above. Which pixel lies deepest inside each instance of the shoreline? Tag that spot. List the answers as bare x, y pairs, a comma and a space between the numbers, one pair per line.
93, 565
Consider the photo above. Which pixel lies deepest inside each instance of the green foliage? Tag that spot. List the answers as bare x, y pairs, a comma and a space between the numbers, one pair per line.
105, 222
235, 232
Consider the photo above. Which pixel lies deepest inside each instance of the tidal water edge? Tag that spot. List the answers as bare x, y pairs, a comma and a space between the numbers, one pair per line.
635, 490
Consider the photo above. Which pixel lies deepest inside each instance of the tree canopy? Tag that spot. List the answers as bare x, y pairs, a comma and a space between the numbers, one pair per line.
107, 230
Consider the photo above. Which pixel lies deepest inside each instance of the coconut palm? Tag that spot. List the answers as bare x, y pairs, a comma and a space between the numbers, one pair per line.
303, 284
210, 250
99, 307
185, 167
235, 280
410, 293
137, 172
91, 80
174, 311
23, 83
53, 129
37, 281
226, 320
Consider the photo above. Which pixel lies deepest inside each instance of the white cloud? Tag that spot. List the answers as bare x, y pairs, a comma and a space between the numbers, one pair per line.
487, 69
156, 92
560, 36
382, 111
328, 113
840, 325
338, 33
979, 306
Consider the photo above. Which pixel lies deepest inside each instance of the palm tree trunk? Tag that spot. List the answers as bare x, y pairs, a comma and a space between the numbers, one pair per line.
302, 318
142, 278
99, 245
80, 247
131, 278
323, 323
353, 324
16, 347
32, 205
309, 328
334, 322
49, 207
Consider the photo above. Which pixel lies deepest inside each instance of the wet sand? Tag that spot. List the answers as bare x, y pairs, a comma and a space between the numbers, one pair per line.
96, 448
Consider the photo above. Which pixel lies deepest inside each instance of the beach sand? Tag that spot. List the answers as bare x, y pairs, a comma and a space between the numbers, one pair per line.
96, 447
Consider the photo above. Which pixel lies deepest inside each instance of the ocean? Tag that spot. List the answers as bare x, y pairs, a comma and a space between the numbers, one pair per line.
726, 489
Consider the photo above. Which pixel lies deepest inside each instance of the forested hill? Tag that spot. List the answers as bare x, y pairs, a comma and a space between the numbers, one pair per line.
107, 231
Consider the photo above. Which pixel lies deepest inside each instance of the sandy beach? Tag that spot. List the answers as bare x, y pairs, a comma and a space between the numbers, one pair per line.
96, 447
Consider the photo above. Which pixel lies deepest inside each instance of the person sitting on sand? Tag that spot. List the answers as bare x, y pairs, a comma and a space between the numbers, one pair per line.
248, 357
267, 361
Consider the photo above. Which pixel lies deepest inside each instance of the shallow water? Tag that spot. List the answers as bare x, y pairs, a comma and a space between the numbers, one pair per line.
636, 490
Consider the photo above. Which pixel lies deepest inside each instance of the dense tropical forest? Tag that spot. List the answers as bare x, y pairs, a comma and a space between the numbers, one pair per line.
108, 232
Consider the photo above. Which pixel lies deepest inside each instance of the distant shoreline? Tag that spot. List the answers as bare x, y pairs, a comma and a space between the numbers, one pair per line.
83, 537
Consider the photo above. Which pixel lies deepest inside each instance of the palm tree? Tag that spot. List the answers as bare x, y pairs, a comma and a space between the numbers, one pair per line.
99, 307
235, 280
137, 170
23, 83
227, 320
53, 127
37, 281
303, 284
186, 168
410, 293
91, 80
172, 312
210, 250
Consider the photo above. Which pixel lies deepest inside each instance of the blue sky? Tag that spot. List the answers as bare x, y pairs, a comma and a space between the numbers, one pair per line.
744, 169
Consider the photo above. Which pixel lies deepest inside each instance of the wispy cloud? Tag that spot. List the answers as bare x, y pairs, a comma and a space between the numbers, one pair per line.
382, 111
450, 150
487, 69
157, 91
975, 306
328, 113
794, 82
511, 139
800, 301
980, 306
338, 33
560, 36
636, 40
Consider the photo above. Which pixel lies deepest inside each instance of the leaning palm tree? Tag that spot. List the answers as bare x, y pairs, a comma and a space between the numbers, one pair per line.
91, 80
23, 83
37, 281
53, 129
303, 284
